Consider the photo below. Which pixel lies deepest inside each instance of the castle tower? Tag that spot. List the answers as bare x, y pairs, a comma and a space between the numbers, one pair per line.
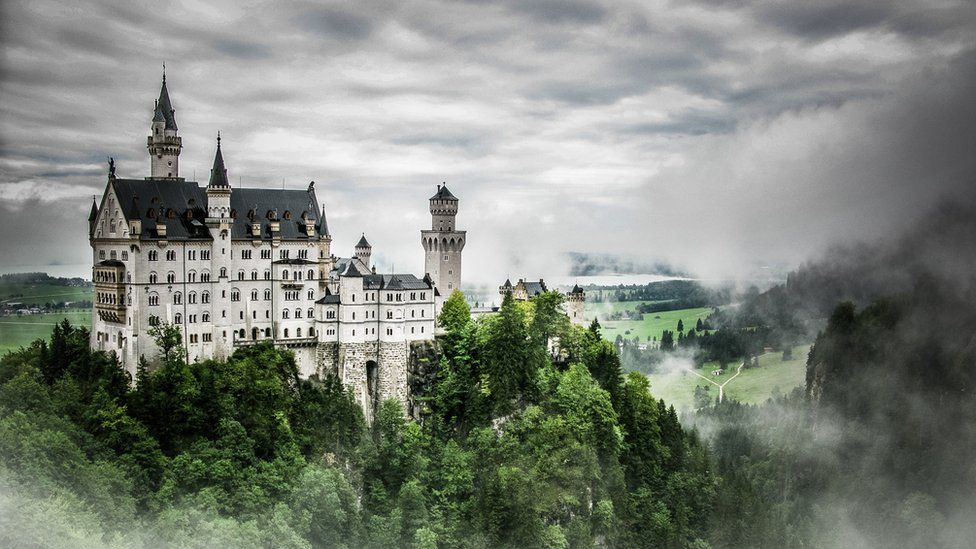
364, 251
219, 222
576, 305
443, 245
164, 144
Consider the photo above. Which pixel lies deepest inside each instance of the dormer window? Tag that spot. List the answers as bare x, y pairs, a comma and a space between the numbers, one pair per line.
287, 215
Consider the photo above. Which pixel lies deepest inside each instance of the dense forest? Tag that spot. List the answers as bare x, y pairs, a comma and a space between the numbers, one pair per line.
515, 448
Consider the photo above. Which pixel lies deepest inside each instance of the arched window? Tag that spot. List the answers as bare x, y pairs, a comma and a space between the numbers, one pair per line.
311, 274
284, 274
254, 295
171, 255
223, 272
205, 297
177, 298
154, 299
267, 332
284, 313
298, 313
311, 332
240, 274
153, 255
177, 318
311, 312
152, 277
191, 298
286, 332
254, 274
205, 276
254, 334
267, 295
206, 317
191, 276
298, 332
241, 333
267, 274
311, 294
171, 277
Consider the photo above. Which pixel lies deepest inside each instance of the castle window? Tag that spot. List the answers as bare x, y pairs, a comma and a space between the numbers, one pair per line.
205, 297
389, 315
170, 277
311, 294
267, 295
191, 255
422, 311
311, 274
254, 274
284, 313
413, 313
311, 312
267, 274
207, 338
206, 317
101, 254
153, 255
445, 258
421, 329
284, 274
153, 299
354, 315
286, 332
298, 332
191, 298
177, 298
191, 276
245, 254
353, 298
254, 295
311, 332
223, 272
235, 295
125, 256
302, 254
177, 318
242, 315
389, 331
171, 255
265, 254
171, 213
205, 276
411, 329
240, 275
241, 333
111, 226
233, 213
298, 313
153, 320
287, 214
152, 278
267, 332
298, 275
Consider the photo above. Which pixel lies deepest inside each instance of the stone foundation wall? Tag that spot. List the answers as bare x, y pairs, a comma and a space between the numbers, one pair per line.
349, 362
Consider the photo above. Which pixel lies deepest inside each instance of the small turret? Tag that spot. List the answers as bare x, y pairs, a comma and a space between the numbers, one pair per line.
164, 143
576, 305
92, 217
218, 189
364, 251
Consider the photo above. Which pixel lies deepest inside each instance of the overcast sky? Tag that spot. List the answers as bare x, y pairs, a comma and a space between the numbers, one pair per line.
714, 135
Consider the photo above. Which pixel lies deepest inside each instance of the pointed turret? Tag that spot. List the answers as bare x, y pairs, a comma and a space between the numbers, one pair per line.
164, 144
218, 174
218, 190
364, 251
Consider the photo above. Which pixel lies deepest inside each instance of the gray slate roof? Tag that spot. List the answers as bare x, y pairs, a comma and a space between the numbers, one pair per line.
443, 194
137, 196
164, 108
395, 282
535, 288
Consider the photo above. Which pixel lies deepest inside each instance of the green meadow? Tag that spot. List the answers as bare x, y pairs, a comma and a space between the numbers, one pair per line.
650, 327
19, 331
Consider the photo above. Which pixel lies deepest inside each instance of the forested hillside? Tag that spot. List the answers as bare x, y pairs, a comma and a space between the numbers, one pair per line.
515, 449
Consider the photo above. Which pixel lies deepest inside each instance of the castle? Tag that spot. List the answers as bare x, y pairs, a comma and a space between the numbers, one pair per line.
236, 267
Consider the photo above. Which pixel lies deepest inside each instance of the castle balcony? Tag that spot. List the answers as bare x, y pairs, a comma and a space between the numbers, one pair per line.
292, 284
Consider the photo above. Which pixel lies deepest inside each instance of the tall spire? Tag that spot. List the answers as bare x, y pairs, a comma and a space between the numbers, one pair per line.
324, 225
164, 107
218, 175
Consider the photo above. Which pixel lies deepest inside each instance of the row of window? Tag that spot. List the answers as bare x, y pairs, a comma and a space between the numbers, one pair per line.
191, 255
256, 333
113, 255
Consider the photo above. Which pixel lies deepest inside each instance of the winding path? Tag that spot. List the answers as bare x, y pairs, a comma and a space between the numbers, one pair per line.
721, 386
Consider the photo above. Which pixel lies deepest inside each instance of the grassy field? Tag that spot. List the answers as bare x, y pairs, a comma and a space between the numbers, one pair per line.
653, 323
592, 309
753, 386
19, 331
42, 293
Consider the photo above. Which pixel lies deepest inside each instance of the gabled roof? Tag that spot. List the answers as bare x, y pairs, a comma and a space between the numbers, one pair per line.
576, 289
443, 194
328, 298
535, 288
395, 282
351, 270
164, 108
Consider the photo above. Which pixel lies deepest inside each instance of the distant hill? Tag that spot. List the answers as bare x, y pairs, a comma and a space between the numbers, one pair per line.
591, 264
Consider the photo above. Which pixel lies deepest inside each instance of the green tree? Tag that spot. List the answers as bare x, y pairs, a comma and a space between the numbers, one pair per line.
455, 314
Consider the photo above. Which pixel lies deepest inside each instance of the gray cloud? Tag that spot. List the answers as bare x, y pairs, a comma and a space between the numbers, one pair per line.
711, 135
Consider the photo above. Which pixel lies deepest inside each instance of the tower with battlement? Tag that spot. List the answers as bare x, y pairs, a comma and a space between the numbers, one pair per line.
443, 244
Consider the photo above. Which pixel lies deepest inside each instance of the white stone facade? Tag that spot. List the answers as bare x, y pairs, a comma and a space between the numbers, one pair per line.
235, 267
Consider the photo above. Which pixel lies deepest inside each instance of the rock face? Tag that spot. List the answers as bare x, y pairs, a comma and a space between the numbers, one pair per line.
377, 371
422, 367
